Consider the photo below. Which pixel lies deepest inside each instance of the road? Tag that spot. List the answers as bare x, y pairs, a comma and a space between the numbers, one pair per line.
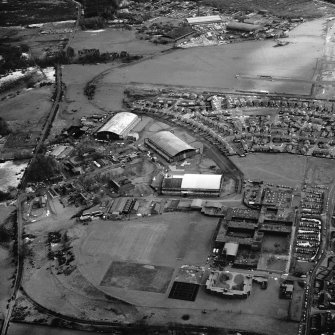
20, 257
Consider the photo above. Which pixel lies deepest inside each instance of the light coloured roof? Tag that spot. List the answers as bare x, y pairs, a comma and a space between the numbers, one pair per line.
231, 248
169, 143
119, 123
201, 181
204, 19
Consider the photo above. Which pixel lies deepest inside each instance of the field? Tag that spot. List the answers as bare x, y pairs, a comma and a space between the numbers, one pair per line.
21, 12
278, 169
114, 40
134, 276
162, 243
28, 109
224, 67
320, 171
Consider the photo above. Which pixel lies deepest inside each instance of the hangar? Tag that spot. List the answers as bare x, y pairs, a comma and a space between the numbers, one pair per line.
192, 184
118, 126
204, 19
169, 146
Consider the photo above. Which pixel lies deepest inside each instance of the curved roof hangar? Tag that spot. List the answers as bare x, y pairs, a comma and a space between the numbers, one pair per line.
170, 143
119, 123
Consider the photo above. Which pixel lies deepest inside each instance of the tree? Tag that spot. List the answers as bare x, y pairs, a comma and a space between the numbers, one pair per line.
42, 168
70, 52
4, 129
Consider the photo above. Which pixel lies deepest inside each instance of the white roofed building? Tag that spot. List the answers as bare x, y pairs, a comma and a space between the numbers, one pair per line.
204, 19
118, 126
193, 184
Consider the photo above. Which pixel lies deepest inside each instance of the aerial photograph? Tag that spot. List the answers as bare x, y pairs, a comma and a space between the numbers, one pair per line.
167, 167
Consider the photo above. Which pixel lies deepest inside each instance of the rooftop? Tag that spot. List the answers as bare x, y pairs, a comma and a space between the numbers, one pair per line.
201, 181
118, 123
169, 143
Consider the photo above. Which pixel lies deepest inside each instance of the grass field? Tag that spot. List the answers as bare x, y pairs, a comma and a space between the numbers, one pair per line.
282, 169
141, 277
28, 106
114, 40
320, 171
163, 241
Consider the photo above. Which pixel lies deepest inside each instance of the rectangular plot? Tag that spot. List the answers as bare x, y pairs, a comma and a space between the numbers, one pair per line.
184, 291
140, 277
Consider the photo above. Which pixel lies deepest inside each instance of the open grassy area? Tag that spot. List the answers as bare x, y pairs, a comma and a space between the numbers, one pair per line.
28, 106
114, 40
279, 169
320, 171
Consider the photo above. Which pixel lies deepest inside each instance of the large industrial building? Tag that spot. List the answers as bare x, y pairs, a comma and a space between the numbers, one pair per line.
204, 19
118, 127
169, 146
192, 184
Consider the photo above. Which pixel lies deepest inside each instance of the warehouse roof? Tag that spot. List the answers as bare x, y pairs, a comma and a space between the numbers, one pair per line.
231, 248
201, 181
119, 123
204, 19
170, 143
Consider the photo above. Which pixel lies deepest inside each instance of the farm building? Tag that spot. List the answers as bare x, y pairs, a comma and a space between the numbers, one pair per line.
118, 126
169, 146
204, 19
240, 26
192, 184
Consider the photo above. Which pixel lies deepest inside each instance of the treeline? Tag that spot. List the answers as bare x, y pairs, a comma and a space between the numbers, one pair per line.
4, 129
94, 56
41, 169
12, 57
103, 8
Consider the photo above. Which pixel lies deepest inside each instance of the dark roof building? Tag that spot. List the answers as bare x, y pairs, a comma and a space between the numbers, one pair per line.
169, 146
